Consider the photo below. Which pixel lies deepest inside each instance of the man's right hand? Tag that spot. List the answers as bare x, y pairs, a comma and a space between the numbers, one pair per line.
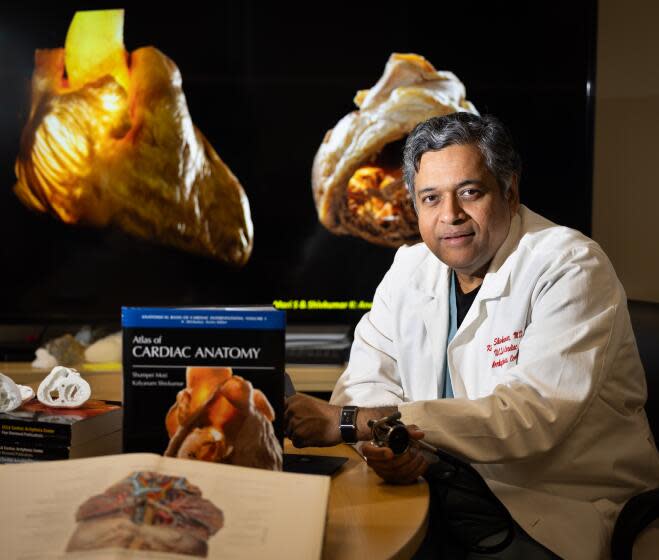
311, 422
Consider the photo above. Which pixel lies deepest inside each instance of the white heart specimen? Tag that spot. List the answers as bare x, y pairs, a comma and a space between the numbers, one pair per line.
10, 394
64, 388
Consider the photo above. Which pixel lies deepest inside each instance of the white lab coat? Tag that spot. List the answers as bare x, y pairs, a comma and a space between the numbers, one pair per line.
549, 388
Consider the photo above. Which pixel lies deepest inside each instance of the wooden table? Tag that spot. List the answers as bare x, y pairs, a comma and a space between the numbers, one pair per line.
366, 519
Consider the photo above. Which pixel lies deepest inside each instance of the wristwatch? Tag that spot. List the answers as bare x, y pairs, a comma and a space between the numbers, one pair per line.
348, 424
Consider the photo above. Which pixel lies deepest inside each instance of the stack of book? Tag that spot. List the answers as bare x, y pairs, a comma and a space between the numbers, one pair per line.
36, 432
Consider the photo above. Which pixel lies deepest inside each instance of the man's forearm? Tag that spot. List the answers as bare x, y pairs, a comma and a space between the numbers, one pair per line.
313, 422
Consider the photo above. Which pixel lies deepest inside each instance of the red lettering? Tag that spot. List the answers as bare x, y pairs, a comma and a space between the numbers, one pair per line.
499, 363
501, 340
509, 348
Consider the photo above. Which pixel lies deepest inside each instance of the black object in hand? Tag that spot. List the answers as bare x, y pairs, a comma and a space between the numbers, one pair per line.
390, 432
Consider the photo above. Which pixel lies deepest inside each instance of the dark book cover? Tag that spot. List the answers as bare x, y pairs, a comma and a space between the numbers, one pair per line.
35, 422
164, 348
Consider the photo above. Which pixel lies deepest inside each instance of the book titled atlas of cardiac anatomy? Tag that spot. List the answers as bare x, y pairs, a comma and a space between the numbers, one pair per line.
142, 505
172, 353
37, 432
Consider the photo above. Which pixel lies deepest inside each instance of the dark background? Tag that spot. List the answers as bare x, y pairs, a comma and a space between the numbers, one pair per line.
264, 82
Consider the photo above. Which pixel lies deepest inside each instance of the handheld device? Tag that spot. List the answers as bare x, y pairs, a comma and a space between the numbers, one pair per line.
392, 433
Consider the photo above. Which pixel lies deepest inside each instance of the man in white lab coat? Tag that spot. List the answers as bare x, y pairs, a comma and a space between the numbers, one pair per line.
506, 339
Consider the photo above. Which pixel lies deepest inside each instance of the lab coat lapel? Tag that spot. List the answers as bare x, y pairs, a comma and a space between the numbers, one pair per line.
462, 360
431, 281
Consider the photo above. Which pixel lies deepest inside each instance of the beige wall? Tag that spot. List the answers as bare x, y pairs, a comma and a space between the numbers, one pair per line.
626, 174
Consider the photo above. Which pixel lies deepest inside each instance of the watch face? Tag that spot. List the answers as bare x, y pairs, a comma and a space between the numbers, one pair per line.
347, 424
347, 417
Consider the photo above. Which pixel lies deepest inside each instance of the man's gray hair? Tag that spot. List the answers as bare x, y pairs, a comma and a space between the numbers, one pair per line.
487, 133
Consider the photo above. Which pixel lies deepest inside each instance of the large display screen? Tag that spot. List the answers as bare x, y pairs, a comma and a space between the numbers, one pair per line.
264, 83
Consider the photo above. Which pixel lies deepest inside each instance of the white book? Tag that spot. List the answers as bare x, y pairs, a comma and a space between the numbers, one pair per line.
142, 505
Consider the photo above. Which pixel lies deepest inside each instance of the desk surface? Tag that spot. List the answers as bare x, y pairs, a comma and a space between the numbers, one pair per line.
366, 518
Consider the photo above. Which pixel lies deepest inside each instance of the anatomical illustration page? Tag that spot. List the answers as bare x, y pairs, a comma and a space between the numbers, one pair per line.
147, 506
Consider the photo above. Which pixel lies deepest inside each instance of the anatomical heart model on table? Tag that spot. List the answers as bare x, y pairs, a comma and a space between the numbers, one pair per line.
110, 142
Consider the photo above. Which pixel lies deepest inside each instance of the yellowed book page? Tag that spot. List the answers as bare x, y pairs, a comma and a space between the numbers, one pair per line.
147, 506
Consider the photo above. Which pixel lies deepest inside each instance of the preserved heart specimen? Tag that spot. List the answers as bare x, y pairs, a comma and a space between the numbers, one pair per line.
110, 142
356, 178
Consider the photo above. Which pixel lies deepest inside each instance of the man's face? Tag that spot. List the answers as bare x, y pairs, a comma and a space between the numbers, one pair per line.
464, 216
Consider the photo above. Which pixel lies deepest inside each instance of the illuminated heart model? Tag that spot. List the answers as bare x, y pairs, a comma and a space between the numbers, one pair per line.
356, 177
110, 142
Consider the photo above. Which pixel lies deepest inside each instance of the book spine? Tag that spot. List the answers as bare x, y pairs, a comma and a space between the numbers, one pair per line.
55, 434
19, 452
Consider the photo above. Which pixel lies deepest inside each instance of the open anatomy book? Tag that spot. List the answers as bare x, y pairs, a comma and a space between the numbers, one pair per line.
147, 506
